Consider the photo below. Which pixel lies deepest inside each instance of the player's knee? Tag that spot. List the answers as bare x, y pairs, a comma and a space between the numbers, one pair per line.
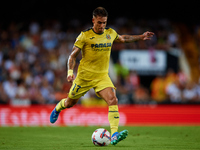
113, 101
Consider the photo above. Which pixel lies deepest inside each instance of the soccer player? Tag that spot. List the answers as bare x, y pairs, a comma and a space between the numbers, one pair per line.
95, 44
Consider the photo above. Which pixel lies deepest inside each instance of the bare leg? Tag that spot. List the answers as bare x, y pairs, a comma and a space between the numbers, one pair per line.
108, 94
70, 102
66, 103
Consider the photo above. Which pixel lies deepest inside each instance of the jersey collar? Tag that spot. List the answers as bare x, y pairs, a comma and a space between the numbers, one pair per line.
97, 33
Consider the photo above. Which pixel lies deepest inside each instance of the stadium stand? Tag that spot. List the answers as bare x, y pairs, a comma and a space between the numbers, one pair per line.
33, 63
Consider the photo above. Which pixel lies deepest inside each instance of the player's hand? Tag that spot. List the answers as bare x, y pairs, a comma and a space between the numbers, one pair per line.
70, 78
147, 35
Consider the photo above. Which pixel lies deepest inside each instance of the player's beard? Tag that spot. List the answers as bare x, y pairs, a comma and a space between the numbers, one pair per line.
101, 30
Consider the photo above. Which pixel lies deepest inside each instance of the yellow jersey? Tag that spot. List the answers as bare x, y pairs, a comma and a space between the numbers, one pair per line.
95, 50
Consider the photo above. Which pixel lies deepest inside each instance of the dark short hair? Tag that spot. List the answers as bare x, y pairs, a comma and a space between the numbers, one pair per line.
100, 11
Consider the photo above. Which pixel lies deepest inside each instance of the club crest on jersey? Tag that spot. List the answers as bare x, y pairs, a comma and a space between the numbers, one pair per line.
108, 36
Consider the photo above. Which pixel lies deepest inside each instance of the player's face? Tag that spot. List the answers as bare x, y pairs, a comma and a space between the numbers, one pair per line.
99, 24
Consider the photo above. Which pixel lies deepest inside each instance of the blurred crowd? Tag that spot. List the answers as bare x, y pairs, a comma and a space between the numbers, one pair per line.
33, 63
172, 88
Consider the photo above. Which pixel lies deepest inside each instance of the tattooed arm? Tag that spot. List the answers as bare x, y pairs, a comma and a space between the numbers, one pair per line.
72, 58
71, 63
131, 38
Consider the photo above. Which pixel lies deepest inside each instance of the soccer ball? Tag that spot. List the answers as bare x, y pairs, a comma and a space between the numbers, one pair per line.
101, 137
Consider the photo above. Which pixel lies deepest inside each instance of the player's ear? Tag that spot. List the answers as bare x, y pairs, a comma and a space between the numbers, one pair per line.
93, 20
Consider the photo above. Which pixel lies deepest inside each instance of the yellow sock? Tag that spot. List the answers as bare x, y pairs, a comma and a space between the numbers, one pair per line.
60, 106
113, 117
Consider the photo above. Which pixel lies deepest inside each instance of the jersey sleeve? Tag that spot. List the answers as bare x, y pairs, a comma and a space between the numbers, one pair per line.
116, 35
80, 41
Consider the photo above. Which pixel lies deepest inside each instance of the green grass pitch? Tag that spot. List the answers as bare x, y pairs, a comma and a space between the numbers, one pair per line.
72, 138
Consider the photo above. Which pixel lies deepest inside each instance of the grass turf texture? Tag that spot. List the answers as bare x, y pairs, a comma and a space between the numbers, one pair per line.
72, 138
